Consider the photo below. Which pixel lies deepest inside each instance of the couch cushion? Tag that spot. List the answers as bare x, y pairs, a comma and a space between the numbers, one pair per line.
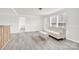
56, 32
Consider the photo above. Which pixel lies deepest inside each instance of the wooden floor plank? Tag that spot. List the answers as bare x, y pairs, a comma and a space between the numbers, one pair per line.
32, 41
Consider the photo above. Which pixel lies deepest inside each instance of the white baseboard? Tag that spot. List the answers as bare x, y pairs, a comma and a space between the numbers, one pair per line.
73, 40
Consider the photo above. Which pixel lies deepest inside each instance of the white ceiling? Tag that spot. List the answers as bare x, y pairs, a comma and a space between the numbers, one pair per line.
6, 11
27, 11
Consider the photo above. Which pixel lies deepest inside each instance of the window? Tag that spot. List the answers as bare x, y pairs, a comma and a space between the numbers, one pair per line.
57, 21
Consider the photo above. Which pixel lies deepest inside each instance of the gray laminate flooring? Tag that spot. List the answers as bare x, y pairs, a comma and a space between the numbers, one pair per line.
32, 41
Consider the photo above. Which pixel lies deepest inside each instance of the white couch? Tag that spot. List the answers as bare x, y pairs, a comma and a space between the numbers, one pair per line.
58, 33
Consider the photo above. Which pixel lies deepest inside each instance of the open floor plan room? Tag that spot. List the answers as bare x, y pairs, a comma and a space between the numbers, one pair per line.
39, 29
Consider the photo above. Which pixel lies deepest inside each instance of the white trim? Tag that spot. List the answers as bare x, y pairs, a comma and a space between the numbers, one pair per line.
73, 40
14, 11
57, 21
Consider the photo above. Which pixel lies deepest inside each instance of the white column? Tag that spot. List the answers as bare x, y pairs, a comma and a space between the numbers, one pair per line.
22, 23
50, 21
57, 21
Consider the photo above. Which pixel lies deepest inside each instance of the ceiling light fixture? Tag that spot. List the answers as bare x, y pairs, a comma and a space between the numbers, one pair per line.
40, 8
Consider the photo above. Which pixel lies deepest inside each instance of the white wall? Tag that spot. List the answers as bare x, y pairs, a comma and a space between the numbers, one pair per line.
34, 23
47, 18
46, 22
10, 20
73, 24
